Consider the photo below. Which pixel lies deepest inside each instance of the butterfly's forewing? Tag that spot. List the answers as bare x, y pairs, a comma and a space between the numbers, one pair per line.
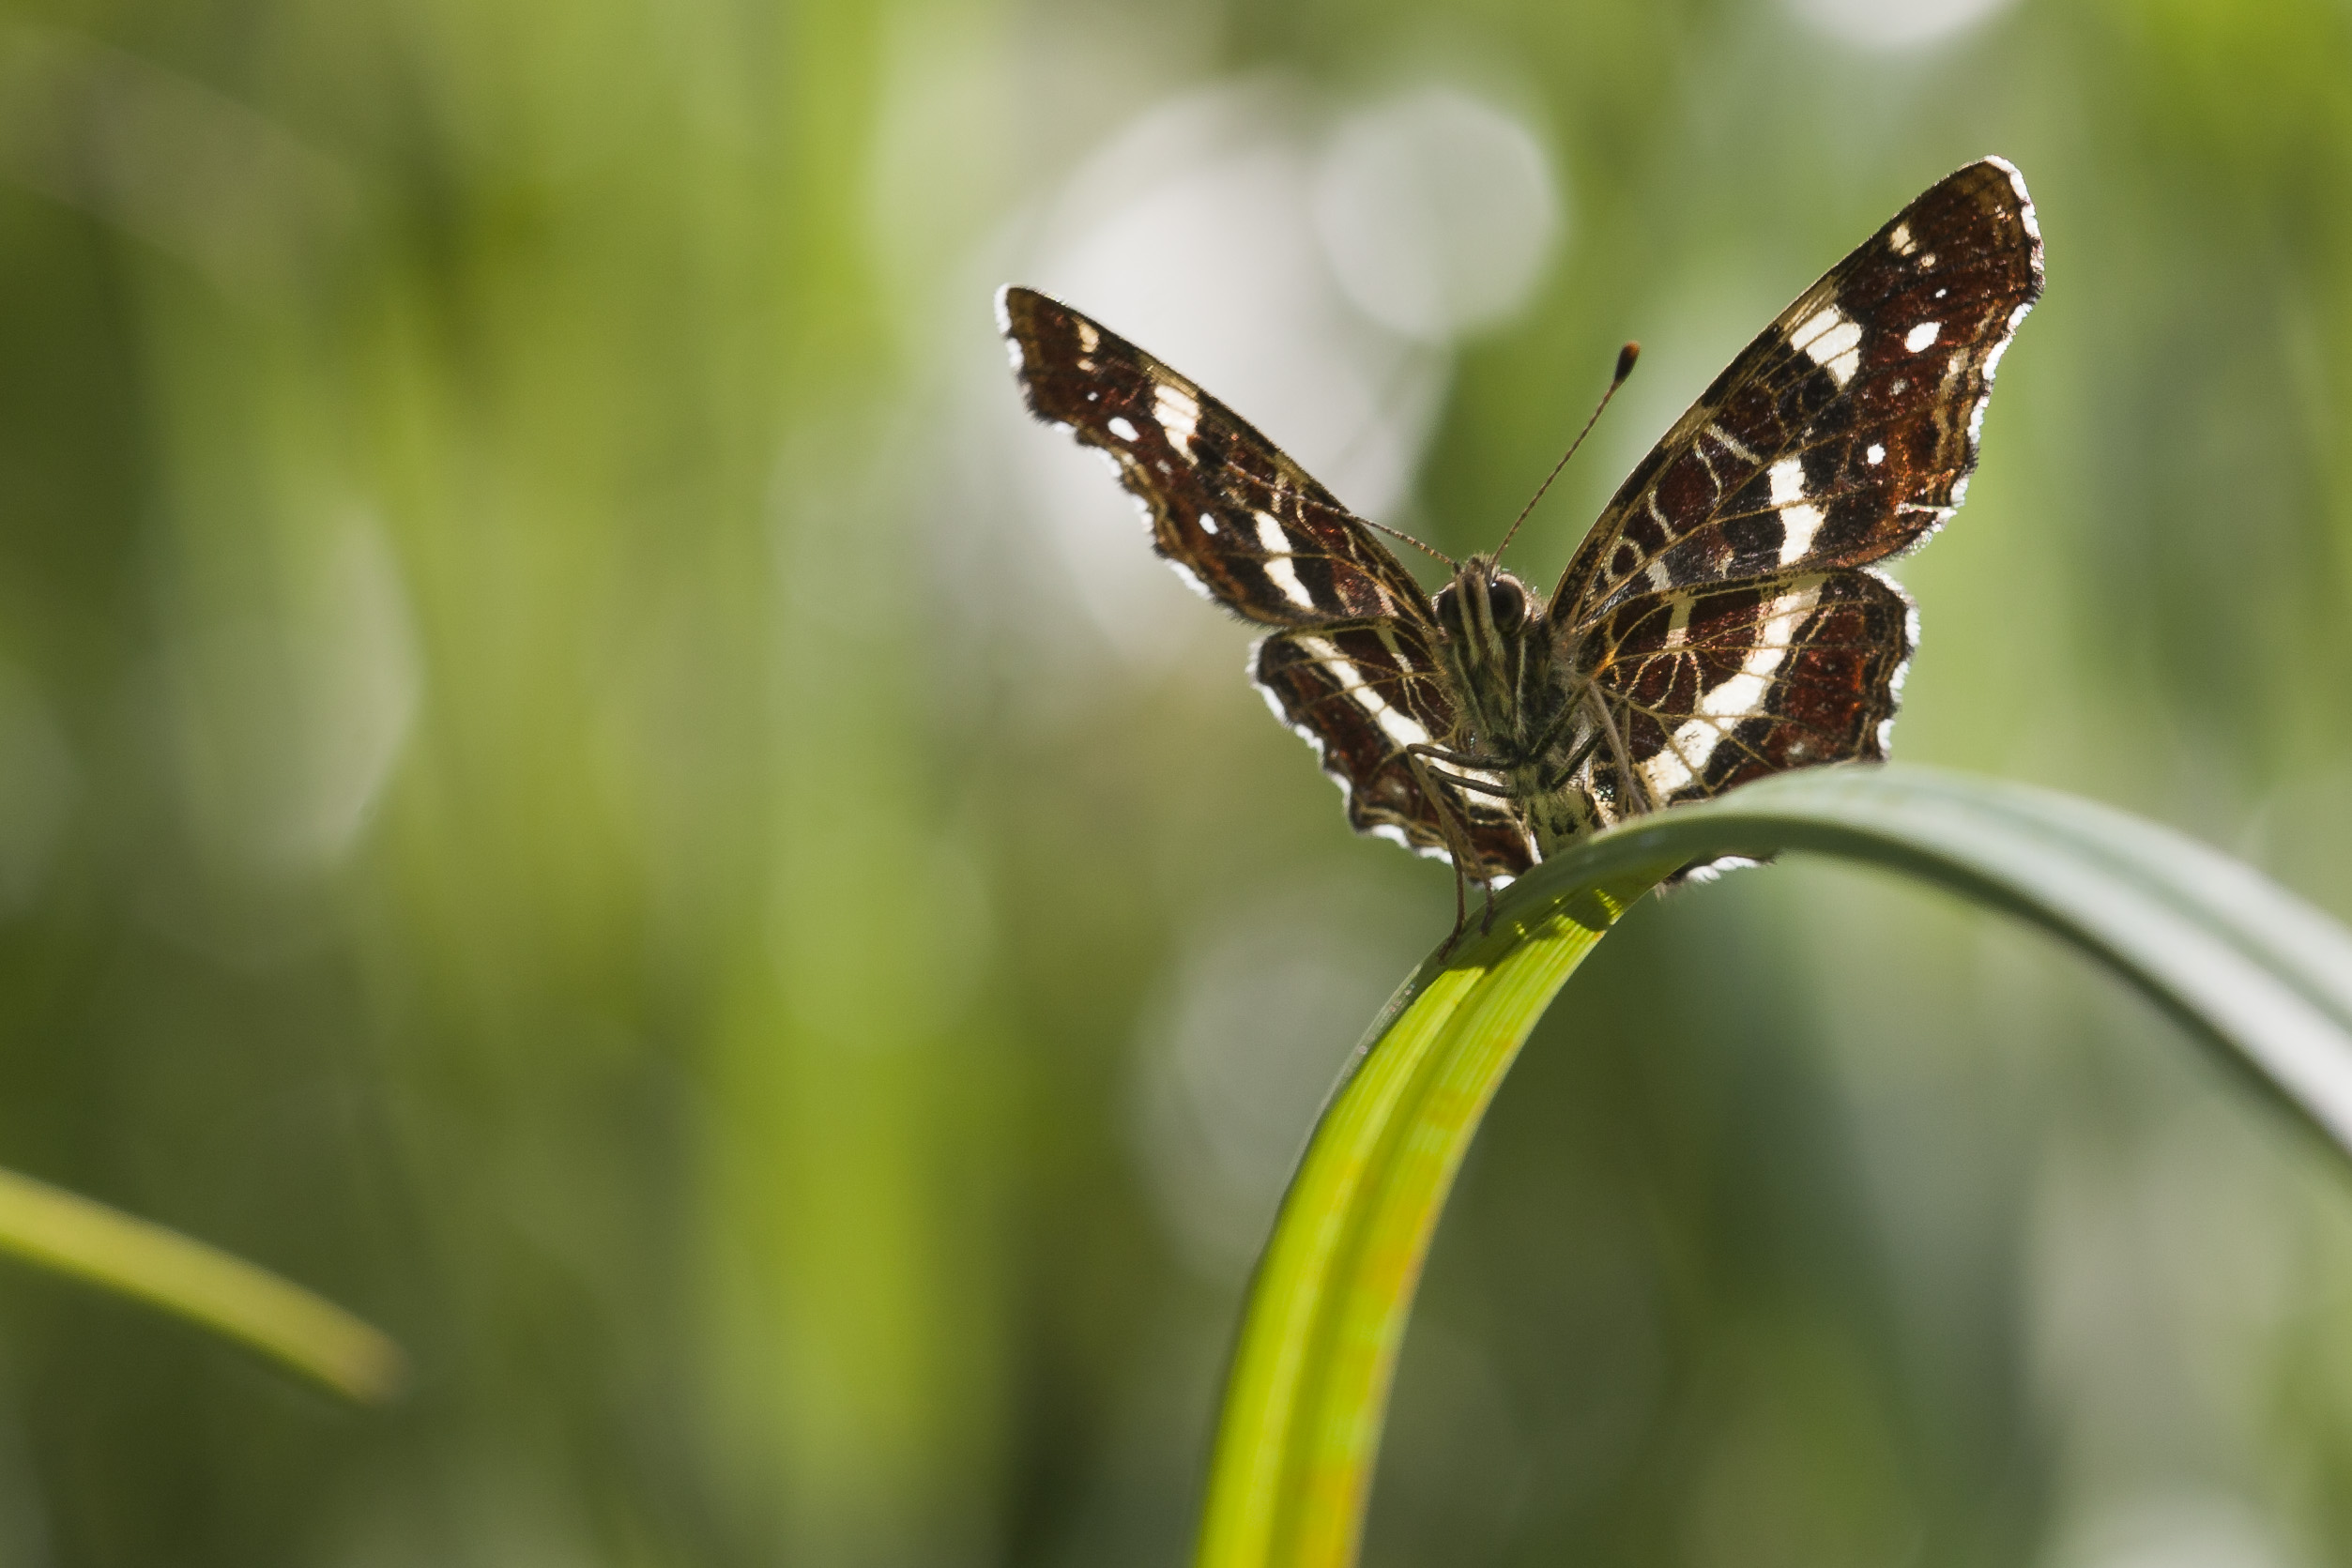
1229, 509
1360, 694
1846, 431
1711, 687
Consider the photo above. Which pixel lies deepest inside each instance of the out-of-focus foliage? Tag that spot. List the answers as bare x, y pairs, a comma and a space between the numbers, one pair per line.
573, 777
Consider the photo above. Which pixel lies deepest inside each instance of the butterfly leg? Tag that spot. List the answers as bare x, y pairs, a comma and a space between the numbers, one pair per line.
1632, 786
1456, 833
1459, 856
1457, 838
1462, 759
1456, 759
1561, 775
1552, 779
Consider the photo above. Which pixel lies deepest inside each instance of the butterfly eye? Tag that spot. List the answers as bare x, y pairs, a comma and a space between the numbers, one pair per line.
1448, 605
1505, 604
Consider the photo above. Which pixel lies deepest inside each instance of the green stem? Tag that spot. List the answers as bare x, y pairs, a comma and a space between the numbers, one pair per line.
73, 1235
1327, 1310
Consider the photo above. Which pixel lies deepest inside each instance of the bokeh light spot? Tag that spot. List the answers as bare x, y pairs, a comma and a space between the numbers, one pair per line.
1895, 23
1438, 211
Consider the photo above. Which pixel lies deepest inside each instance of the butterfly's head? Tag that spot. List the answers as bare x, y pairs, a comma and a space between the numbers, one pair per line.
1483, 611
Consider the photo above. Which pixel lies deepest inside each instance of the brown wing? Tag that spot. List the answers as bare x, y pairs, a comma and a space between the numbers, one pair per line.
1709, 688
1233, 515
1250, 529
1360, 694
1846, 431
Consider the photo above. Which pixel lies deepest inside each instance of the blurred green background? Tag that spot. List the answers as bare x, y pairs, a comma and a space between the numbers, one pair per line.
574, 775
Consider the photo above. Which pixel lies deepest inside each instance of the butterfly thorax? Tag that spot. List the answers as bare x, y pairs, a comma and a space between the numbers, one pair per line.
1492, 651
1519, 683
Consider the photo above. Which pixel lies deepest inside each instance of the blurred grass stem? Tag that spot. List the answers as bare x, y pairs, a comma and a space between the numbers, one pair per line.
70, 1234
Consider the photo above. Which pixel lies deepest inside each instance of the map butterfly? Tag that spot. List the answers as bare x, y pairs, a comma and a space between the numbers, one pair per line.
1721, 619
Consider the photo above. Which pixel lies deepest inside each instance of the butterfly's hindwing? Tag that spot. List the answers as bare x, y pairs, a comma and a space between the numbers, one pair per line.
1845, 432
1711, 687
1229, 509
1361, 694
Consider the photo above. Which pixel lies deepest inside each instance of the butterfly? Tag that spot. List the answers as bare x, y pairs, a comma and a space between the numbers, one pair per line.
1721, 619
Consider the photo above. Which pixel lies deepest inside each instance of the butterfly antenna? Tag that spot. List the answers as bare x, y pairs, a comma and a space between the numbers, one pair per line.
1625, 356
1424, 549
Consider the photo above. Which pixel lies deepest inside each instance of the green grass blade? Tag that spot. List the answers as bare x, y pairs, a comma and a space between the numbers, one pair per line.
2244, 963
2249, 968
73, 1235
1327, 1310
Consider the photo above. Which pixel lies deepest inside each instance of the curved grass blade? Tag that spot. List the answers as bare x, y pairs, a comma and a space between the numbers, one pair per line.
2246, 966
70, 1234
1309, 1382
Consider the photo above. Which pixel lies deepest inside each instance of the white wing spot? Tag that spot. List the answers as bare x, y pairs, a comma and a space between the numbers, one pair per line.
1178, 416
1900, 239
1279, 571
1723, 438
1814, 325
1833, 339
1117, 424
1087, 338
1667, 771
1677, 626
1398, 725
1739, 697
1208, 525
1921, 335
1927, 261
1877, 454
1799, 519
1720, 710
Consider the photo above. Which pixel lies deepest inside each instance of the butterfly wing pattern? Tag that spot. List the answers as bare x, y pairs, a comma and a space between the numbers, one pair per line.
1350, 670
1360, 692
1720, 621
1717, 685
1844, 435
